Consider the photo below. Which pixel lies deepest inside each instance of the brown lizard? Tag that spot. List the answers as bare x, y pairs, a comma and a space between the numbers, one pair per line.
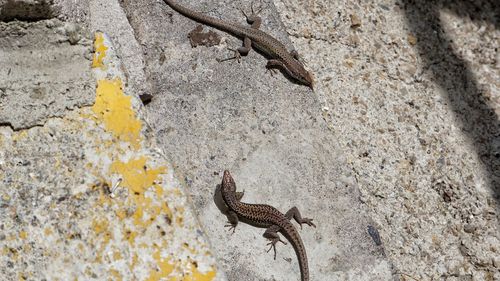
277, 53
261, 215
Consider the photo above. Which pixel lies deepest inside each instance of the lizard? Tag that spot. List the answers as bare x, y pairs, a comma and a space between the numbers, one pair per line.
267, 216
277, 53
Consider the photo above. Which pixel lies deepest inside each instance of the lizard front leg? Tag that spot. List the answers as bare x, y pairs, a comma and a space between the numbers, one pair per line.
232, 218
295, 54
272, 64
295, 214
254, 20
239, 195
278, 63
271, 233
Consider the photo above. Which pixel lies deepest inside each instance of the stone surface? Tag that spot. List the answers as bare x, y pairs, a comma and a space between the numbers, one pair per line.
395, 154
414, 104
28, 10
268, 131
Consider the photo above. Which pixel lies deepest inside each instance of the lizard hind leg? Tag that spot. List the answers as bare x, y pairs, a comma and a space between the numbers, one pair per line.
253, 19
295, 214
241, 51
272, 235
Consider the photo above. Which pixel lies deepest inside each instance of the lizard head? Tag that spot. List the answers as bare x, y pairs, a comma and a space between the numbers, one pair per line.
307, 79
228, 181
298, 72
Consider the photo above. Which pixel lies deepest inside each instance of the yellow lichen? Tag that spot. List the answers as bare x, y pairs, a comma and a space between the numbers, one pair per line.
114, 109
101, 228
198, 276
19, 136
135, 258
116, 274
135, 212
139, 178
165, 267
130, 237
121, 214
99, 51
47, 231
117, 255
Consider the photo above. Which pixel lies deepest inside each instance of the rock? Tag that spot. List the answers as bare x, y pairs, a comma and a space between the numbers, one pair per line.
469, 228
355, 21
412, 40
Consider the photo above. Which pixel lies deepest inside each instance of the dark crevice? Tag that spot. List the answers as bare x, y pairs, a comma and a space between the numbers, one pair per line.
7, 124
21, 128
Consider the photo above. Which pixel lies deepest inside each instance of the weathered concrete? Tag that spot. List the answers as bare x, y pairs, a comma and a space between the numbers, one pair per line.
86, 195
412, 95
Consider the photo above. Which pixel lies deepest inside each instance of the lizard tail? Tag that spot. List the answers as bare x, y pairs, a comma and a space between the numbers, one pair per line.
199, 17
294, 238
304, 267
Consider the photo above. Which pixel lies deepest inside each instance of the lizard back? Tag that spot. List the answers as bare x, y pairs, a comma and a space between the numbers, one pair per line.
263, 215
227, 26
261, 40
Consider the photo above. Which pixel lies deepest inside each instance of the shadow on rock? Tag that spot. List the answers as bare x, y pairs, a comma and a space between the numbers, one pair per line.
472, 108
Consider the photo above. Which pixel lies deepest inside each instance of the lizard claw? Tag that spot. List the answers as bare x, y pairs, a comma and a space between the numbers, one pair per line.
307, 221
252, 9
243, 12
272, 245
231, 227
272, 71
237, 56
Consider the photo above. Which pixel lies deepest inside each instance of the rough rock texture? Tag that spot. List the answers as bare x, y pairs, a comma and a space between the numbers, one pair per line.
411, 92
46, 70
395, 155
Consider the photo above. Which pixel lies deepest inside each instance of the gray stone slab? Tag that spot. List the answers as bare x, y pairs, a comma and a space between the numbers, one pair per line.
45, 70
35, 10
211, 116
